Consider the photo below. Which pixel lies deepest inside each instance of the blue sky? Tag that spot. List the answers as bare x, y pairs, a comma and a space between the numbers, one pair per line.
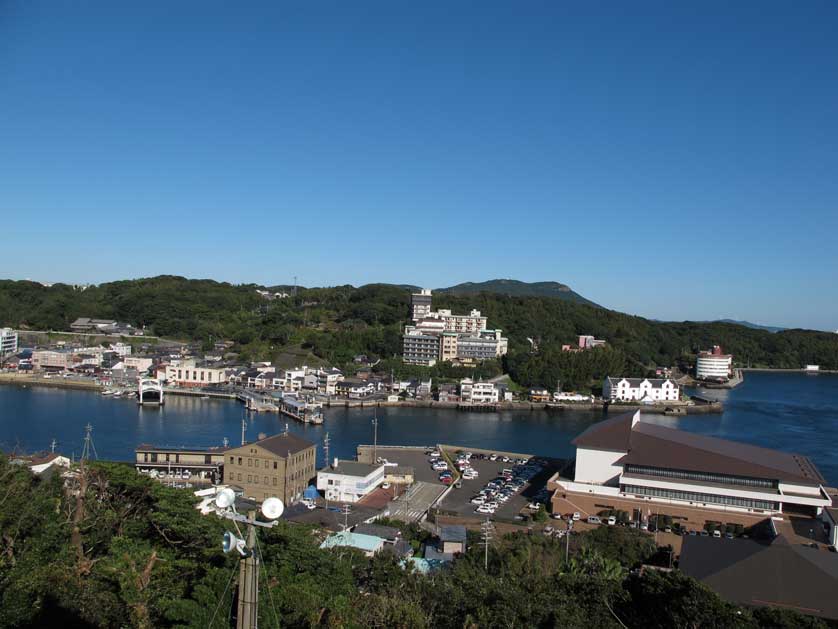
670, 161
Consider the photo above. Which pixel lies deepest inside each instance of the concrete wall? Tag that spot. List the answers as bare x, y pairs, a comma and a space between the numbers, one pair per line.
597, 466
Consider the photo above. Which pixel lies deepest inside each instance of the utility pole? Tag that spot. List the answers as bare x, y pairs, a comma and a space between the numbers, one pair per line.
567, 540
375, 437
346, 511
486, 531
326, 448
88, 443
244, 429
52, 445
248, 610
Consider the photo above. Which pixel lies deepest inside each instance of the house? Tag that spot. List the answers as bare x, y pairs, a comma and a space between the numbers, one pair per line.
367, 544
447, 393
388, 533
398, 474
187, 372
354, 388
349, 481
641, 467
451, 541
640, 390
539, 396
281, 465
41, 462
203, 464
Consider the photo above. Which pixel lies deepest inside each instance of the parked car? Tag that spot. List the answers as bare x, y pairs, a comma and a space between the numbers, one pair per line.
385, 485
576, 516
594, 519
611, 520
717, 533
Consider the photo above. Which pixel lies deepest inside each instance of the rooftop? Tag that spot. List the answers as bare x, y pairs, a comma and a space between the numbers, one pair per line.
367, 543
283, 444
660, 446
352, 468
780, 574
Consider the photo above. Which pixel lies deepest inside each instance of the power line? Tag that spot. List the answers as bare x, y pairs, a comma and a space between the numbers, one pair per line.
487, 534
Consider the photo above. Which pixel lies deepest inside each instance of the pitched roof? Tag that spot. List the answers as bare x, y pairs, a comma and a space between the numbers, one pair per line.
774, 575
282, 444
378, 530
656, 383
452, 533
660, 446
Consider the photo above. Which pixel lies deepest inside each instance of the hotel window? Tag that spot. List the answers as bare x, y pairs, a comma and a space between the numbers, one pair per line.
202, 376
266, 480
274, 464
266, 464
250, 463
240, 460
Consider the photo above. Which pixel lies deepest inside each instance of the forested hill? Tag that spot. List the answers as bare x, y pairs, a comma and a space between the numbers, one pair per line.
336, 323
515, 288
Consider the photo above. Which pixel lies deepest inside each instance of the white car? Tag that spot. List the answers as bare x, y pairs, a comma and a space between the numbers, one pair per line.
534, 505
484, 509
611, 520
478, 500
577, 516
385, 485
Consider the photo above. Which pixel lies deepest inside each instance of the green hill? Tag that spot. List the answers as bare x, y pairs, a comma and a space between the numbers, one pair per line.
516, 288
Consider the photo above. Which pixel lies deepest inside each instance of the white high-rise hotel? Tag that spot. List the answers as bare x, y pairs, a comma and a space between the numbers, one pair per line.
8, 341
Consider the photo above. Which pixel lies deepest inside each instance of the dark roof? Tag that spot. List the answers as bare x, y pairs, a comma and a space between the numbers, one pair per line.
147, 447
282, 444
453, 533
778, 574
660, 446
611, 434
379, 530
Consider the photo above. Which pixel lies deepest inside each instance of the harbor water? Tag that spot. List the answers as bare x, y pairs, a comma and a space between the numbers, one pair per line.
787, 411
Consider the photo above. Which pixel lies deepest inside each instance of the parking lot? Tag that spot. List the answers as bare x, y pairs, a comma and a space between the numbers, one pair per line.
459, 500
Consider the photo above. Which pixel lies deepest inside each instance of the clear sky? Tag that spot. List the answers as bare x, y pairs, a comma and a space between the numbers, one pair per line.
665, 160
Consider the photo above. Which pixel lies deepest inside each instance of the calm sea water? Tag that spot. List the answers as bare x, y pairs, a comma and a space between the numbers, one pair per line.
794, 412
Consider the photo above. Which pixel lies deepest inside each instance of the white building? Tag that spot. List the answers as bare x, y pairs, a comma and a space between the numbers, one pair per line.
122, 349
640, 390
140, 363
462, 324
624, 457
713, 365
189, 373
51, 359
349, 481
8, 341
478, 392
420, 304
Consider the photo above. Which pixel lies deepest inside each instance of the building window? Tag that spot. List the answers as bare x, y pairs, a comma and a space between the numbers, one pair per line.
700, 497
250, 463
240, 460
145, 457
274, 464
266, 480
207, 459
240, 477
266, 464
250, 478
274, 481
231, 460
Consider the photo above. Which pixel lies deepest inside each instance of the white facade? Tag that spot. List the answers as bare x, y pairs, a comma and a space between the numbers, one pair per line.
605, 471
463, 324
187, 373
349, 484
597, 466
139, 363
8, 341
478, 392
640, 390
713, 366
122, 349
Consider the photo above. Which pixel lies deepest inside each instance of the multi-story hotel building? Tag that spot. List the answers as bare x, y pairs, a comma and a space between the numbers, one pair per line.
419, 348
420, 304
8, 341
49, 359
640, 389
713, 365
280, 466
644, 468
462, 324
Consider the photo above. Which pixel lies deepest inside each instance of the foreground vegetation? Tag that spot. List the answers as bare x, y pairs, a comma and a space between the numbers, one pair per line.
334, 325
129, 552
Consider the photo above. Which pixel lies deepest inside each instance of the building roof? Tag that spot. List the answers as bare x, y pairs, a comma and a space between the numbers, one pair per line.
352, 468
378, 530
147, 447
453, 533
367, 543
656, 383
664, 447
774, 575
282, 444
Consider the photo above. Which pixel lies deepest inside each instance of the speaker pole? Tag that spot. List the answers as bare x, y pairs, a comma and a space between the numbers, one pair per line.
248, 616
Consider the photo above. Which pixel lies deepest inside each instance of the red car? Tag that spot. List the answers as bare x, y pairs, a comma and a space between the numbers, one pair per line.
446, 480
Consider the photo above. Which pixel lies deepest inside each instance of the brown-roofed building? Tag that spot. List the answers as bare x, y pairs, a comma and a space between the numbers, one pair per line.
625, 463
281, 466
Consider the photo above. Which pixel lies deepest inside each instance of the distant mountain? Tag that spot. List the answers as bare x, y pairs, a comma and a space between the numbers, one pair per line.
515, 288
753, 326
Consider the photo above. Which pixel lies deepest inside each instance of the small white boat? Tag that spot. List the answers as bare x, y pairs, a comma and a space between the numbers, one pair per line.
107, 392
